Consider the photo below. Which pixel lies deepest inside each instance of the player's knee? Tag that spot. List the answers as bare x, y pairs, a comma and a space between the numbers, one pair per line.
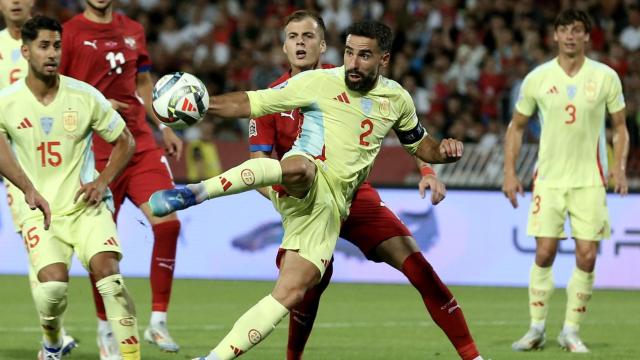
545, 256
289, 296
586, 260
298, 171
51, 298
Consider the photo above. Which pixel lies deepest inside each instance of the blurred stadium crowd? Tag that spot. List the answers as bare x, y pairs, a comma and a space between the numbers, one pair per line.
462, 61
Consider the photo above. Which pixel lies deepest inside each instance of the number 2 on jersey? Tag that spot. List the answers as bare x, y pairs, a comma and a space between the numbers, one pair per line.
571, 110
368, 126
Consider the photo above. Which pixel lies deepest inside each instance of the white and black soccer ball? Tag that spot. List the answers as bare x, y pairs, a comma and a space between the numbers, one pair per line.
180, 100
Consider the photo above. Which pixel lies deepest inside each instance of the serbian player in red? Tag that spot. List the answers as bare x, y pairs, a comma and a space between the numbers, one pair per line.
371, 226
108, 50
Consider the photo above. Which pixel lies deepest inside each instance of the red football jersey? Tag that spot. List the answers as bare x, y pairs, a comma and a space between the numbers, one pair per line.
276, 131
109, 56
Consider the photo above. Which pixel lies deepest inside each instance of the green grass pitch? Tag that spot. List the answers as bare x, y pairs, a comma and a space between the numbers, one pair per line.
356, 321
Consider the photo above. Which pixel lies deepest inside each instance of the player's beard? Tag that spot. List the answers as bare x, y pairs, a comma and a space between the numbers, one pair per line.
47, 78
366, 83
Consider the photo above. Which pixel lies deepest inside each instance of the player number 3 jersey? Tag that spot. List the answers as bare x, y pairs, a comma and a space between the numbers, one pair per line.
53, 142
572, 149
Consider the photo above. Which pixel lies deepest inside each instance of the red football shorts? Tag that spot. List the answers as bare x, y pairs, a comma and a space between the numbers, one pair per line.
370, 222
146, 173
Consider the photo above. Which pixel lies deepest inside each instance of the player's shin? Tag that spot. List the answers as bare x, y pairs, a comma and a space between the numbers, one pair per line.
540, 290
252, 174
579, 291
51, 301
121, 315
441, 304
251, 328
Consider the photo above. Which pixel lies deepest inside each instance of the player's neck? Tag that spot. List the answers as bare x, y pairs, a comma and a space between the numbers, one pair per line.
14, 30
296, 70
571, 64
99, 16
43, 89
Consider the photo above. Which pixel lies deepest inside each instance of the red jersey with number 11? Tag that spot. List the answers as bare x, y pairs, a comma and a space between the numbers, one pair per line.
109, 56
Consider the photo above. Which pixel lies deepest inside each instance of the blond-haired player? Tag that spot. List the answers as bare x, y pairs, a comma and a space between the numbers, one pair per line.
49, 120
571, 93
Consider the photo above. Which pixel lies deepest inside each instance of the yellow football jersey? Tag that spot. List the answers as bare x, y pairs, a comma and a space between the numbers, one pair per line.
53, 142
572, 149
13, 66
343, 128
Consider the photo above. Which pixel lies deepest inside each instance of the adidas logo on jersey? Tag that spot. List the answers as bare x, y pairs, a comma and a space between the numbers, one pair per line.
25, 124
111, 241
553, 90
342, 98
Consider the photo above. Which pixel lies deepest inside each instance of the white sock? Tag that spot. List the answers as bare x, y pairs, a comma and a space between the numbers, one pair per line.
158, 317
569, 329
478, 358
104, 326
538, 325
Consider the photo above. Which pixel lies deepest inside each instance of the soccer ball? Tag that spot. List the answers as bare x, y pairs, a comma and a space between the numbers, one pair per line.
180, 100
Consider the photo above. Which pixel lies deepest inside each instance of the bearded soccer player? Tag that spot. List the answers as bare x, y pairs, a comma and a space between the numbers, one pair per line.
347, 113
108, 50
13, 67
49, 120
371, 226
571, 92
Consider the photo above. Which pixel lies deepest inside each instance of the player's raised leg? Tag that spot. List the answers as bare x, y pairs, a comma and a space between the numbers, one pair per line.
541, 287
294, 172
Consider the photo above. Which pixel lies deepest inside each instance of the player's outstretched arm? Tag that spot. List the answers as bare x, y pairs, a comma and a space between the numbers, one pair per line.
430, 181
123, 148
445, 151
10, 169
231, 105
620, 152
512, 144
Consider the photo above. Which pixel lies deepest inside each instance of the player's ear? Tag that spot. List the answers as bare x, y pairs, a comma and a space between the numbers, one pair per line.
284, 48
384, 60
24, 49
323, 46
555, 35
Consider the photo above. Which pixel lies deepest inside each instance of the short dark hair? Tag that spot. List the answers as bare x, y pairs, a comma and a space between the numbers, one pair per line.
568, 17
300, 15
373, 30
30, 29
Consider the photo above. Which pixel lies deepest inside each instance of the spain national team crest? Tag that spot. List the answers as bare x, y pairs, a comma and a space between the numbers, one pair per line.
590, 90
385, 107
130, 42
46, 123
70, 120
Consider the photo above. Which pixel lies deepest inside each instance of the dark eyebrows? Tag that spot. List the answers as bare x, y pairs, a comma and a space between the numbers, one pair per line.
363, 51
